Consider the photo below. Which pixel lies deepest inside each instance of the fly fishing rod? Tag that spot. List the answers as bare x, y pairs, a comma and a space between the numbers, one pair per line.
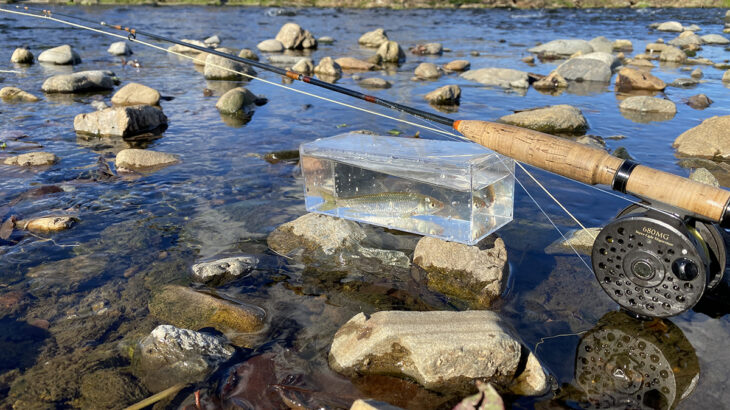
655, 259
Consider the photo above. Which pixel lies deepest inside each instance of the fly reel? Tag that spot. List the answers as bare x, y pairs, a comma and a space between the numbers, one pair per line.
657, 264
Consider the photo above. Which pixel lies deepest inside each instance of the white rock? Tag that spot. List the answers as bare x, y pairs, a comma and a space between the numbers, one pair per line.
270, 46
234, 267
120, 121
120, 48
498, 77
673, 26
143, 160
81, 81
61, 55
563, 47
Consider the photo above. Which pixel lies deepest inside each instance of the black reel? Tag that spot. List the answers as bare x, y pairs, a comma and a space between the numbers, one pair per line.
657, 264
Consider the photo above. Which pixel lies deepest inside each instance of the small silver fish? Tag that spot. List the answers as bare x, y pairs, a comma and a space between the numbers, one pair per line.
386, 203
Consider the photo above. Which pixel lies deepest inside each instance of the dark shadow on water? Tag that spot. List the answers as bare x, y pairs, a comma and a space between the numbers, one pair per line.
20, 344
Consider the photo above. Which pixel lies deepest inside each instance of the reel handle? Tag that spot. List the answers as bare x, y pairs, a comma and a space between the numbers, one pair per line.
595, 166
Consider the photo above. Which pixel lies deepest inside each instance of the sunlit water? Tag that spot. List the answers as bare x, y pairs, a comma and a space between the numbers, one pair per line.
223, 199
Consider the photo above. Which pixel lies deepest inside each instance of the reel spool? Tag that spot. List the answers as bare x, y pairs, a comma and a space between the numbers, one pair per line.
657, 264
625, 362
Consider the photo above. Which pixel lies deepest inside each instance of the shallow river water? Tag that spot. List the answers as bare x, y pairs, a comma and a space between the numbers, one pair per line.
72, 304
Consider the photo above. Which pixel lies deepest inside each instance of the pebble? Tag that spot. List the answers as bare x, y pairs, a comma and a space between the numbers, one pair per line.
328, 67
446, 95
457, 65
710, 139
143, 160
374, 82
120, 48
270, 46
528, 60
135, 94
22, 55
353, 64
15, 94
121, 121
391, 52
82, 81
224, 268
373, 39
235, 101
557, 119
427, 71
32, 159
61, 55
498, 77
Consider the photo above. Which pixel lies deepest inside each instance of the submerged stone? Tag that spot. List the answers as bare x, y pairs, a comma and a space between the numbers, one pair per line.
222, 268
32, 159
143, 160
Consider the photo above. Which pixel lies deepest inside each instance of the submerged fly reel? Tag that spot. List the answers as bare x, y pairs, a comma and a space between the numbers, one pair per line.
657, 264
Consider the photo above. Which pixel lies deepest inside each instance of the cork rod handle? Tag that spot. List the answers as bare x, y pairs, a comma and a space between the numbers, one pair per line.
595, 166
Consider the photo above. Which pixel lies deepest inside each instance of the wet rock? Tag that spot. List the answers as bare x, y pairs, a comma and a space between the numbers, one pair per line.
577, 69
236, 100
715, 39
641, 63
108, 389
446, 95
692, 27
136, 94
607, 58
427, 71
373, 39
292, 36
457, 65
622, 45
221, 269
498, 77
672, 26
170, 355
120, 48
220, 68
81, 81
475, 274
564, 48
726, 76
32, 159
592, 141
177, 48
304, 66
186, 308
699, 101
15, 94
684, 82
212, 41
328, 67
391, 52
98, 105
581, 240
707, 140
704, 176
353, 64
672, 55
326, 40
121, 121
601, 44
699, 61
686, 40
655, 48
696, 73
270, 46
528, 60
47, 224
22, 55
371, 404
443, 351
552, 81
557, 119
143, 160
630, 79
316, 233
428, 49
62, 55
646, 104
621, 152
375, 82
248, 54
375, 59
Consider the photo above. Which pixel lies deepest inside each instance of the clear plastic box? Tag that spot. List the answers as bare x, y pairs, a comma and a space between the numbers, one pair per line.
456, 191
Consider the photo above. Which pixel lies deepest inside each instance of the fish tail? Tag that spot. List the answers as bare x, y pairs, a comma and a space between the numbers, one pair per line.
330, 202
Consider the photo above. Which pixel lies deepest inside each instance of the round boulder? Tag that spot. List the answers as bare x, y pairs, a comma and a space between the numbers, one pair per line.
14, 94
672, 26
120, 48
270, 46
373, 38
61, 55
304, 66
328, 67
220, 68
427, 71
577, 69
557, 119
236, 100
446, 95
22, 55
391, 52
292, 36
135, 94
707, 140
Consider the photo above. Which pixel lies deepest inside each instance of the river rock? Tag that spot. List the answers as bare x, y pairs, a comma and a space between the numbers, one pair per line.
316, 233
292, 36
170, 355
236, 100
270, 46
726, 76
686, 39
557, 119
673, 26
622, 45
220, 68
391, 52
15, 94
428, 49
630, 79
326, 40
577, 69
699, 101
704, 176
580, 241
375, 82
562, 48
446, 95
641, 63
498, 77
120, 48
328, 67
443, 351
248, 54
133, 159
672, 55
552, 81
82, 81
607, 58
136, 94
22, 55
684, 82
285, 60
654, 48
373, 39
186, 308
32, 159
601, 44
696, 73
353, 64
646, 104
121, 121
707, 140
714, 39
304, 66
62, 55
476, 274
457, 65
177, 48
47, 224
224, 268
427, 71
212, 41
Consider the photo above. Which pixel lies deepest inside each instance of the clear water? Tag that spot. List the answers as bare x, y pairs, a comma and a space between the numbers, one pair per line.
223, 199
